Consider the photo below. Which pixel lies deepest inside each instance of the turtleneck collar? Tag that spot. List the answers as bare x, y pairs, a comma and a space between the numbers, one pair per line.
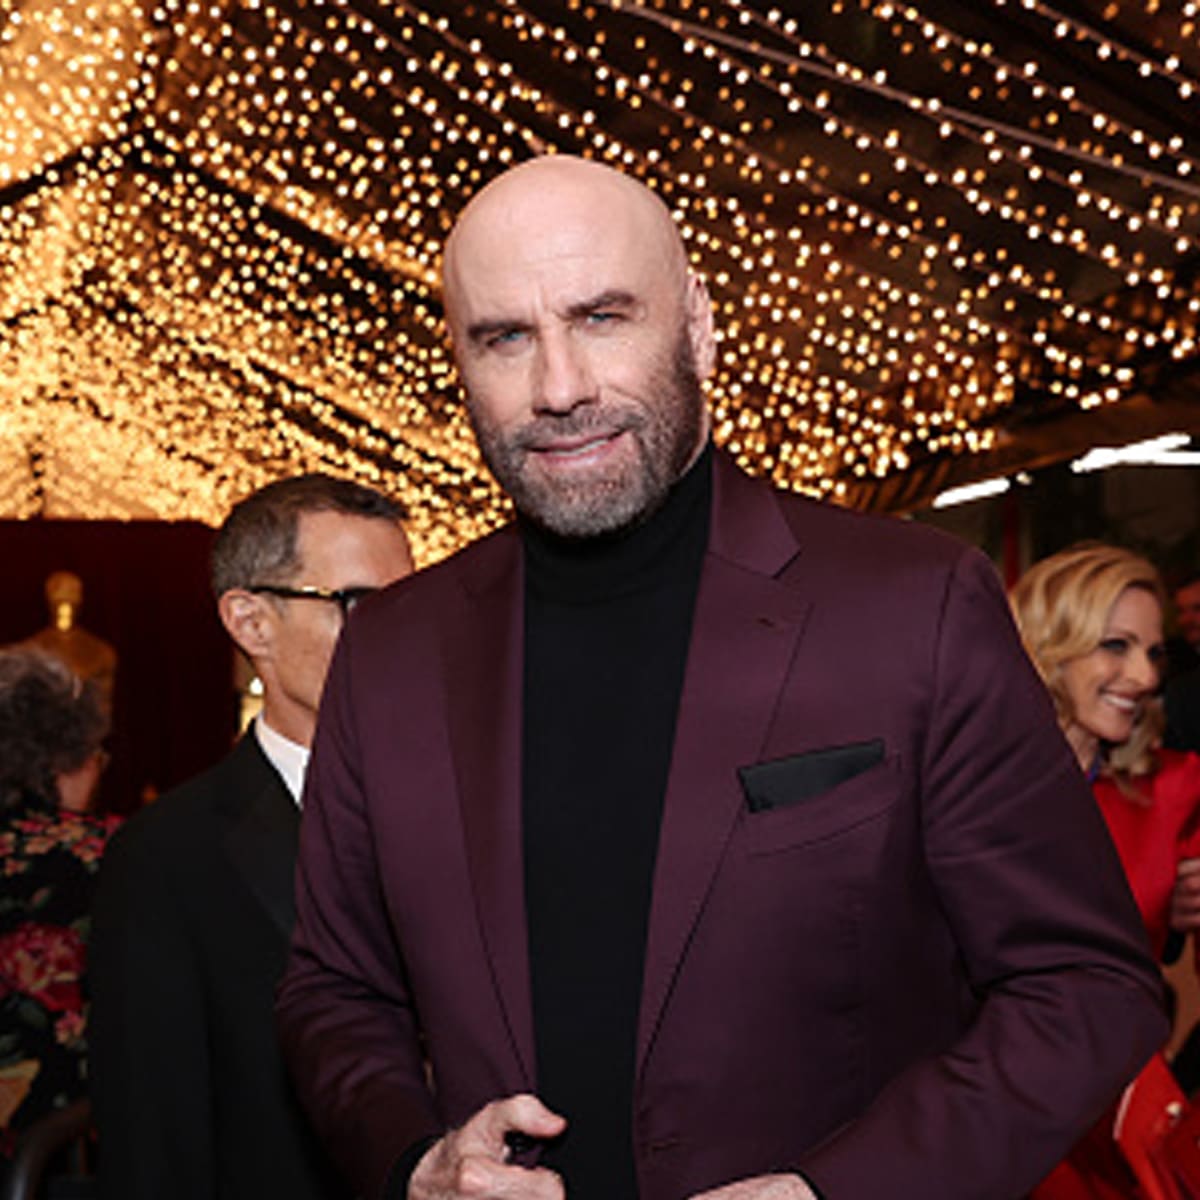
589, 570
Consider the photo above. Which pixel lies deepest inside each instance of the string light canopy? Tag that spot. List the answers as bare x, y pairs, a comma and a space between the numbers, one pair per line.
923, 225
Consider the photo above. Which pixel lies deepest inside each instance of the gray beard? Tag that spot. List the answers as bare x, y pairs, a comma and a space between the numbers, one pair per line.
666, 438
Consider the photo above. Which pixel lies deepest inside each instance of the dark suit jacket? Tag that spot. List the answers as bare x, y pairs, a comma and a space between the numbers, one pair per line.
910, 967
192, 917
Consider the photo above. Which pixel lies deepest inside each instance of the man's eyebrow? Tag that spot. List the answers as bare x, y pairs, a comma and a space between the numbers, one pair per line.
612, 298
618, 298
479, 331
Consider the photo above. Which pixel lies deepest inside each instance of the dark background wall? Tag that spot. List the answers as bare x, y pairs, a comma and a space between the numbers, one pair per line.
1153, 510
145, 591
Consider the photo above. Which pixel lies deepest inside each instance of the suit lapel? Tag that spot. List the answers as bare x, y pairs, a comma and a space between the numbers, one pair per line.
261, 830
484, 651
745, 632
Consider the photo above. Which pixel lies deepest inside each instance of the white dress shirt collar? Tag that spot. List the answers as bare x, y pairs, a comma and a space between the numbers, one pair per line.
289, 758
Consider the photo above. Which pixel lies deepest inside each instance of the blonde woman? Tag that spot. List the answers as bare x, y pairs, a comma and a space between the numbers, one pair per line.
1091, 618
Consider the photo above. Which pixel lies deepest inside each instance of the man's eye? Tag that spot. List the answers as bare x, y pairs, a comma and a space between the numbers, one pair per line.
603, 317
506, 337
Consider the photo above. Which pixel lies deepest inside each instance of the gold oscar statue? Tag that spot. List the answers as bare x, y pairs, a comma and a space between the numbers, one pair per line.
90, 657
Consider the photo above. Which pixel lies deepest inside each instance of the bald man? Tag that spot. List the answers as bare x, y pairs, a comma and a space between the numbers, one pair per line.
614, 880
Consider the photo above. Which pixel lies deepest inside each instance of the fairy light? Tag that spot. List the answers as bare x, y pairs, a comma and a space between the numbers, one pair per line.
221, 225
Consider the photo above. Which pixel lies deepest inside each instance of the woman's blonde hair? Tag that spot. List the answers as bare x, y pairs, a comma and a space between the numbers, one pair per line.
1061, 605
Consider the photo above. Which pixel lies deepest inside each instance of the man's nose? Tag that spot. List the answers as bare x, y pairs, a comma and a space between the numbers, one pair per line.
564, 377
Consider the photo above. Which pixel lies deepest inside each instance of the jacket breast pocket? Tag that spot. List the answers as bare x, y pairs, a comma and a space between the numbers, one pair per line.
815, 817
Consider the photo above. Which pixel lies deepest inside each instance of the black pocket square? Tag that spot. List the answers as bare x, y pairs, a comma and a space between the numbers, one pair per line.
784, 781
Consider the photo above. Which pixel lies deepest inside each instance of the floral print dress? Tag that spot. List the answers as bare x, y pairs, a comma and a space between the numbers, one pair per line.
48, 863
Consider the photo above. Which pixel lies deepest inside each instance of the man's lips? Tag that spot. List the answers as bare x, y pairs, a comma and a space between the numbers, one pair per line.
576, 447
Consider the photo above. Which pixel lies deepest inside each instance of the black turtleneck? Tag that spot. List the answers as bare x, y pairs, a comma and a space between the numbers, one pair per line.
607, 623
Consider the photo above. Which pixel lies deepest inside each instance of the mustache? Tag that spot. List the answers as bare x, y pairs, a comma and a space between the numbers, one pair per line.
583, 422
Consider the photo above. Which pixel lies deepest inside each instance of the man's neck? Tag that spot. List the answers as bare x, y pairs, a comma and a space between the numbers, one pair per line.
590, 569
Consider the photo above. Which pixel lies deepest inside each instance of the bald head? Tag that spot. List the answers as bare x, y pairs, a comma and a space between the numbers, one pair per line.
581, 338
549, 206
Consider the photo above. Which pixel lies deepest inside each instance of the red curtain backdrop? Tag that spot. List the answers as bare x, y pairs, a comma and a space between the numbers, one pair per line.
146, 592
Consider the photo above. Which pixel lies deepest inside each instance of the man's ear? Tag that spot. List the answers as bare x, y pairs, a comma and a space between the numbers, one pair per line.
247, 619
701, 331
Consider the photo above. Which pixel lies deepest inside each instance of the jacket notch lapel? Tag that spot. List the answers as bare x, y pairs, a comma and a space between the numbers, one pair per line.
262, 834
746, 631
484, 653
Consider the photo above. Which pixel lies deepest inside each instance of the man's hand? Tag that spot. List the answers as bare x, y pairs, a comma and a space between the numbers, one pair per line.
762, 1187
472, 1161
1185, 898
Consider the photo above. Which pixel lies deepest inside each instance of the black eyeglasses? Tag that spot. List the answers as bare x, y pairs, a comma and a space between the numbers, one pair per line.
344, 598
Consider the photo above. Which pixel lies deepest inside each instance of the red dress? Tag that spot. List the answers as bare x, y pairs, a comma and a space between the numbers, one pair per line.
1152, 837
1153, 830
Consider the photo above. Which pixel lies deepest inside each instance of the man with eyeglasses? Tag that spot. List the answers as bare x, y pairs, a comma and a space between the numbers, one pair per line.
194, 907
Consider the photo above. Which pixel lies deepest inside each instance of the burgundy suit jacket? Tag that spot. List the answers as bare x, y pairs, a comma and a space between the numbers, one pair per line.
909, 966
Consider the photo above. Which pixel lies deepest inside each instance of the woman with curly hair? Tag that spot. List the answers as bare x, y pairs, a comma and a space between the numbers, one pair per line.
51, 727
1091, 618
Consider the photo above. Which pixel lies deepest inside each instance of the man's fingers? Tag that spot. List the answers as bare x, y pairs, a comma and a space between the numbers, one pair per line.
471, 1163
468, 1164
484, 1179
762, 1187
522, 1114
506, 1127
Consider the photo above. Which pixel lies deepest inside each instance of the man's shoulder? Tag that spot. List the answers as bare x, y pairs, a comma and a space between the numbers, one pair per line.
186, 815
476, 565
827, 530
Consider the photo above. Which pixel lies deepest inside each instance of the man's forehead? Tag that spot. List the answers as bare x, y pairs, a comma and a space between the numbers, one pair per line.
319, 529
551, 279
558, 215
554, 270
512, 239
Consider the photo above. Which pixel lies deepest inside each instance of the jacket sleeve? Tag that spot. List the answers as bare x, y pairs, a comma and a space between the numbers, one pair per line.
347, 1023
1051, 943
147, 1033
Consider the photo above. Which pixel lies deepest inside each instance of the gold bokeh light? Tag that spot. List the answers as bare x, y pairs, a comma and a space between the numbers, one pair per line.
221, 225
